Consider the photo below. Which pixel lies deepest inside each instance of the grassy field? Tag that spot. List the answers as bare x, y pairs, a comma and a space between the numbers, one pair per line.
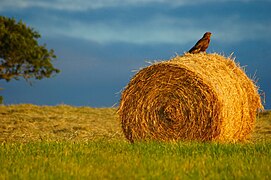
65, 142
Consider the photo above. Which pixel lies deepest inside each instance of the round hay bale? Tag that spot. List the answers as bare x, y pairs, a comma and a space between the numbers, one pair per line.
204, 97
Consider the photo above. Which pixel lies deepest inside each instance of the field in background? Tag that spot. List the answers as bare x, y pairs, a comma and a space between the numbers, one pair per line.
65, 142
25, 123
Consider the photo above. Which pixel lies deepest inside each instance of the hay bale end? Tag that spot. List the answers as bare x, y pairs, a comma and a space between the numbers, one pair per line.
204, 97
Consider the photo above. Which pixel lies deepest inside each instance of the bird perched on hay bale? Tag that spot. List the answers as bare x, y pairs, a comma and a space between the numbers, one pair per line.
204, 97
202, 44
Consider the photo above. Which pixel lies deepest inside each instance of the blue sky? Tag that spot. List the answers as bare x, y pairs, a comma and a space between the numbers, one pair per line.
100, 43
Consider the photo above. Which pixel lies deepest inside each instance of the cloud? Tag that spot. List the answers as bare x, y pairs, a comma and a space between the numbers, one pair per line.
157, 30
235, 30
82, 5
151, 31
179, 26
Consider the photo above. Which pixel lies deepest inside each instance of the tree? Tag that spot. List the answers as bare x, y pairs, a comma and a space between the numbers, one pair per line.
20, 53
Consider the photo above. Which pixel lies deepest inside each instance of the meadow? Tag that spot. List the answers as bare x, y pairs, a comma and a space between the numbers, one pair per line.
65, 142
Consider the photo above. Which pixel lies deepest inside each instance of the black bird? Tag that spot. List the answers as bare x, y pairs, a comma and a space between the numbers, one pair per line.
202, 44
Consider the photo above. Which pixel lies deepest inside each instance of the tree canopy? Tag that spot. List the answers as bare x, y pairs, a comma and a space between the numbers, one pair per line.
20, 53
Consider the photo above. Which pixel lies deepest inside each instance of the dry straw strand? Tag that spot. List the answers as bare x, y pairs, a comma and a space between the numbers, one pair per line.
205, 97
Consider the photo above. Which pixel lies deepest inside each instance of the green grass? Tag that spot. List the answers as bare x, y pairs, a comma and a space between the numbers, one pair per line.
65, 142
120, 160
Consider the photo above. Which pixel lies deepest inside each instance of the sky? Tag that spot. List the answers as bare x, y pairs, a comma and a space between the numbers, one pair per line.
100, 44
